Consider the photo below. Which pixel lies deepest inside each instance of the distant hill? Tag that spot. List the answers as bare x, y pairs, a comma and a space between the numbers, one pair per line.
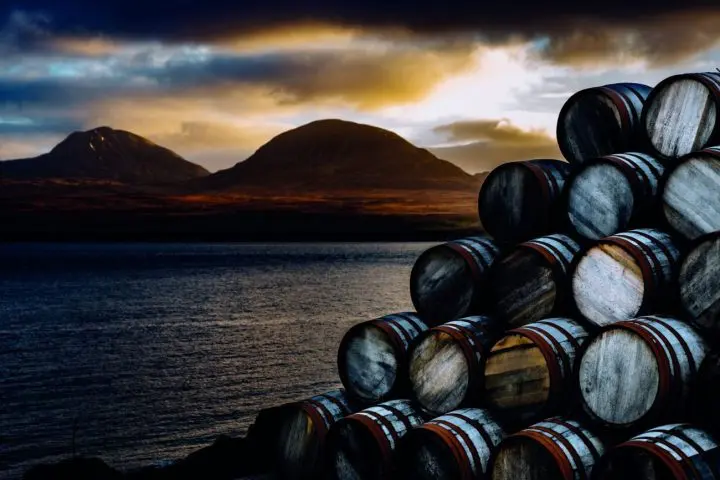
105, 154
340, 155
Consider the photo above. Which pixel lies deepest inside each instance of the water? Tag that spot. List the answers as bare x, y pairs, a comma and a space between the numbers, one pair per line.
150, 351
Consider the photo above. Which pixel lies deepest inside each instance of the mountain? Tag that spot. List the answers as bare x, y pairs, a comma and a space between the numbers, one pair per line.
105, 154
340, 155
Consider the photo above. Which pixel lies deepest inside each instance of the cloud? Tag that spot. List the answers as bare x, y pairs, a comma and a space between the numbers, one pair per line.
489, 143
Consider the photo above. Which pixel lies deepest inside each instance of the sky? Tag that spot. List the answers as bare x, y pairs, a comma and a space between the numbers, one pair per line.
477, 84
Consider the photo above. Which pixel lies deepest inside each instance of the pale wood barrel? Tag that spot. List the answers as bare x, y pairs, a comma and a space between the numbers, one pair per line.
301, 436
447, 361
600, 121
667, 452
529, 372
639, 372
361, 446
531, 282
625, 276
556, 448
699, 283
690, 197
520, 200
681, 114
455, 446
372, 357
612, 193
448, 281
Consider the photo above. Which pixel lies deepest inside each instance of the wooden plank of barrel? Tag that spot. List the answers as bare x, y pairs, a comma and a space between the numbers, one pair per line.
681, 114
519, 200
455, 446
625, 275
447, 361
600, 121
611, 193
699, 283
691, 202
556, 448
301, 439
361, 445
640, 371
372, 357
531, 282
529, 372
448, 281
668, 452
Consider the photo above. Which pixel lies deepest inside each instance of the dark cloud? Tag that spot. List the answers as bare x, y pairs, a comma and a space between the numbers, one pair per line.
489, 143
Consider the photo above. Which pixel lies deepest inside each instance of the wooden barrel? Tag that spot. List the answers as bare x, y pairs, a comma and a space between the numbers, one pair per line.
625, 275
456, 446
639, 371
611, 193
518, 201
601, 121
690, 198
699, 283
447, 361
448, 281
681, 114
372, 357
301, 437
556, 448
669, 452
706, 396
361, 445
531, 282
529, 372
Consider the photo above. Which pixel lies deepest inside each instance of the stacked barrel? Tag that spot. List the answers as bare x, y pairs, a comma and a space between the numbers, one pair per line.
574, 338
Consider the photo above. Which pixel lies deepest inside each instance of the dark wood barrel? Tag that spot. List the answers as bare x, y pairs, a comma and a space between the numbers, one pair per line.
612, 193
518, 201
529, 372
681, 114
699, 283
448, 281
600, 121
531, 282
690, 197
447, 361
639, 372
456, 446
372, 357
556, 448
625, 275
669, 452
706, 396
361, 446
301, 437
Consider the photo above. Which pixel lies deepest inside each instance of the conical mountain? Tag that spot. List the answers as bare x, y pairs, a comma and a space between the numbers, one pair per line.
340, 155
104, 153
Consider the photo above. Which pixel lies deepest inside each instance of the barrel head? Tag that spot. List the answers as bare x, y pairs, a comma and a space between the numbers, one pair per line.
424, 456
369, 363
512, 204
299, 446
680, 116
353, 453
619, 377
699, 282
608, 285
442, 285
524, 459
523, 288
632, 464
691, 197
439, 373
600, 201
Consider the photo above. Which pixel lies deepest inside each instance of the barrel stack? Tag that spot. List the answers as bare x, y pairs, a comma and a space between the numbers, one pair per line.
576, 337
